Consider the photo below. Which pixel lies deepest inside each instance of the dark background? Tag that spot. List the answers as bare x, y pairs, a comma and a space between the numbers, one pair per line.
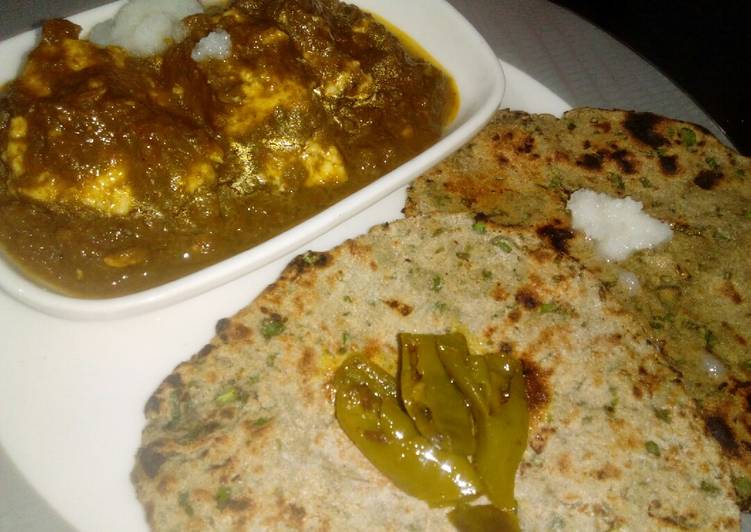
703, 46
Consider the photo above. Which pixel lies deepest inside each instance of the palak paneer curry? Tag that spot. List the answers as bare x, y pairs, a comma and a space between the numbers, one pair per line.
120, 173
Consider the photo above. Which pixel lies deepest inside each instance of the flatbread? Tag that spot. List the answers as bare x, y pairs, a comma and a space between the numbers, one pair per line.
695, 296
243, 435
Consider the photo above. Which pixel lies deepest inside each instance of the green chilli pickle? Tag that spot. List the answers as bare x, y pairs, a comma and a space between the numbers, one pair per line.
468, 372
436, 405
368, 410
494, 386
502, 436
501, 430
482, 518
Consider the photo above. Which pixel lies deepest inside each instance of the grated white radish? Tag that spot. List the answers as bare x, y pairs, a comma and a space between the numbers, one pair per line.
216, 45
145, 27
617, 226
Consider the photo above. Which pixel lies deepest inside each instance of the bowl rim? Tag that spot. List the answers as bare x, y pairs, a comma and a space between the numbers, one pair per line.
37, 296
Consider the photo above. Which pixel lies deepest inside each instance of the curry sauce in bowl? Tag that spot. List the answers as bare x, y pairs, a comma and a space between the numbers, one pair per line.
124, 175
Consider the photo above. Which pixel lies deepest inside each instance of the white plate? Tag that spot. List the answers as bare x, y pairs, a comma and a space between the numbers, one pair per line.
466, 56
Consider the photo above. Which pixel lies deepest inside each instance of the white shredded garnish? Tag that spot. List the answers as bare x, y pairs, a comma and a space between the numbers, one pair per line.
145, 27
617, 226
216, 45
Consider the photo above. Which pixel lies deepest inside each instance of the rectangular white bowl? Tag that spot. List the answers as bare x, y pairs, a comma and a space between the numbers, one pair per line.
434, 24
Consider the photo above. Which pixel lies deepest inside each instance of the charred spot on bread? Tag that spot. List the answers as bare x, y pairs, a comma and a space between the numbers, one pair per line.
150, 460
641, 126
557, 236
721, 431
590, 161
708, 179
